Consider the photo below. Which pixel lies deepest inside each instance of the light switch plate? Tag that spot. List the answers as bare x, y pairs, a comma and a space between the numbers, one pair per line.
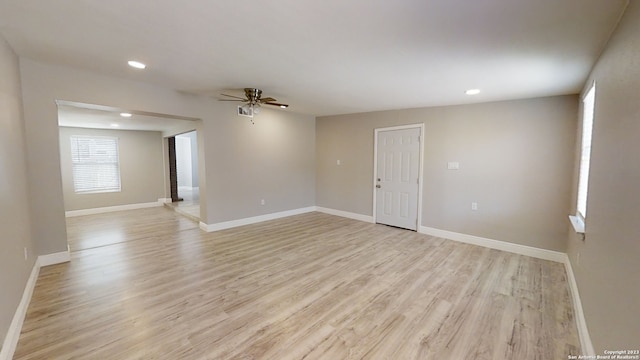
453, 165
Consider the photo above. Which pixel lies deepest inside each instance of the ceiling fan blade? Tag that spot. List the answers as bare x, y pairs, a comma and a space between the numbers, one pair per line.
267, 99
276, 104
230, 100
237, 97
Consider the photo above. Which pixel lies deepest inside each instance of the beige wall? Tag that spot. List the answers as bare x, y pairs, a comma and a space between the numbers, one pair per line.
14, 197
608, 273
273, 159
141, 169
242, 163
516, 162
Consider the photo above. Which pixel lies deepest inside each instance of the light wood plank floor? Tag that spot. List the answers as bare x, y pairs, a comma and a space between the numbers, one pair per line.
148, 284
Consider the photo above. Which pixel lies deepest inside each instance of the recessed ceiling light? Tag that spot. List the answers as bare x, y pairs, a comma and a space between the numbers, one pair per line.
283, 106
115, 125
136, 64
125, 114
472, 92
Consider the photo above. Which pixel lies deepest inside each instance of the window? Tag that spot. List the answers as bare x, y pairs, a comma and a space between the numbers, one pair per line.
95, 164
588, 105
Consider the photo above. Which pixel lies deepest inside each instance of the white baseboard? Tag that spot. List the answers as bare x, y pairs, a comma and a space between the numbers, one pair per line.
13, 334
108, 209
15, 328
585, 340
583, 332
165, 200
581, 322
496, 244
469, 239
278, 215
55, 258
254, 219
350, 215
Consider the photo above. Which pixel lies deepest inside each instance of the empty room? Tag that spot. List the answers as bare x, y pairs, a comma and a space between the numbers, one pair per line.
319, 180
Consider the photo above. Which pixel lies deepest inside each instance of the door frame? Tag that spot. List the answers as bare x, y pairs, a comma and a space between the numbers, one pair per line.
420, 167
173, 172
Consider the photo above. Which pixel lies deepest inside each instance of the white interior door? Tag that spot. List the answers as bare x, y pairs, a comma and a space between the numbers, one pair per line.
397, 177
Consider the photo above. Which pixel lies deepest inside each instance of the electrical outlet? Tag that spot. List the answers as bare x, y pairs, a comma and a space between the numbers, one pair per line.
474, 206
26, 253
338, 162
262, 202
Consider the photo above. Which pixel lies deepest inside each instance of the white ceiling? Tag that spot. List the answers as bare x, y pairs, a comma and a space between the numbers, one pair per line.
326, 57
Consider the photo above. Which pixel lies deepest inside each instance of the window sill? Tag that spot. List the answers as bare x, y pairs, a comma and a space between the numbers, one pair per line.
577, 223
97, 191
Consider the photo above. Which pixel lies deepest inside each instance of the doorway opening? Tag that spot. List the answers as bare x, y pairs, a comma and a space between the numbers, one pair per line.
112, 160
183, 174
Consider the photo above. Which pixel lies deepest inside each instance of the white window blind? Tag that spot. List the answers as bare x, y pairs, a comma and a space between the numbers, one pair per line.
95, 164
588, 105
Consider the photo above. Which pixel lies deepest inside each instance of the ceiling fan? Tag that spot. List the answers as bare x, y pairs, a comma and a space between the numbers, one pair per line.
253, 99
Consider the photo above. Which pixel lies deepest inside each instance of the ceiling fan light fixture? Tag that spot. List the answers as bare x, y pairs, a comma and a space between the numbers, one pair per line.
472, 92
253, 101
